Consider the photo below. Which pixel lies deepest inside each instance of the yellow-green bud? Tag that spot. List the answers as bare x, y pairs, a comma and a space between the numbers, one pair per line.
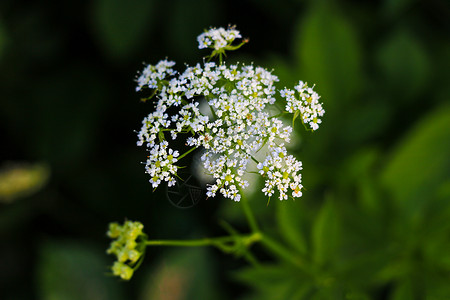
130, 244
114, 230
122, 255
119, 269
133, 255
135, 230
114, 247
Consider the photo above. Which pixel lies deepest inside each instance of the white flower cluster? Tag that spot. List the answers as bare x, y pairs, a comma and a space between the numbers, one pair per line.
217, 38
237, 127
281, 173
152, 74
160, 164
307, 104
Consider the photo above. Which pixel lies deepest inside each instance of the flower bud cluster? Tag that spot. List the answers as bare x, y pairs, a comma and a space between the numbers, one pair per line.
236, 126
125, 247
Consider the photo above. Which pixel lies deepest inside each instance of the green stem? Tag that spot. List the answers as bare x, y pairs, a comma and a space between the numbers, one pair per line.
213, 112
248, 213
254, 159
267, 241
278, 115
282, 252
191, 243
186, 153
220, 242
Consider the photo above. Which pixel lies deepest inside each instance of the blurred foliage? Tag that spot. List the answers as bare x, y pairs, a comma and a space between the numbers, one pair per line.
121, 26
173, 277
67, 270
373, 220
19, 180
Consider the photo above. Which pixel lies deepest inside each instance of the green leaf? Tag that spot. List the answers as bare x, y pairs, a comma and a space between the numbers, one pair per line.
404, 64
403, 291
359, 171
325, 233
355, 126
329, 54
437, 287
420, 163
290, 217
68, 270
275, 282
122, 25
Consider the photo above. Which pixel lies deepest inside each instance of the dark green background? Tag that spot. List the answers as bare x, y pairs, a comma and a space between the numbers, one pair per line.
374, 218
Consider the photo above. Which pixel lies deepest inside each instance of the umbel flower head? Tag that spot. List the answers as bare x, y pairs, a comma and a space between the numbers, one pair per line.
217, 38
238, 125
127, 246
220, 40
